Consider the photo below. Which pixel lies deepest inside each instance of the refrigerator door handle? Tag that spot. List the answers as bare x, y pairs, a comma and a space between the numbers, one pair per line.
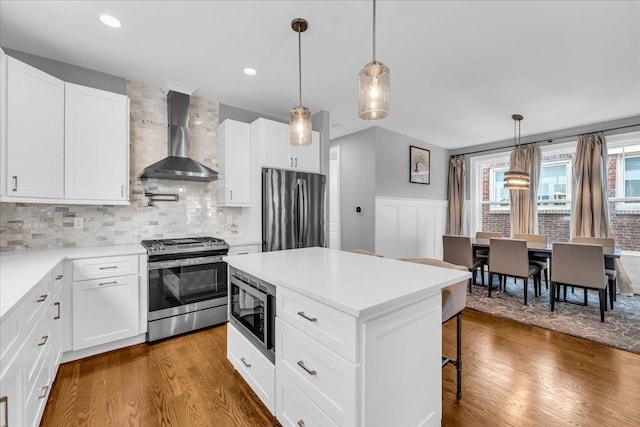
305, 213
298, 213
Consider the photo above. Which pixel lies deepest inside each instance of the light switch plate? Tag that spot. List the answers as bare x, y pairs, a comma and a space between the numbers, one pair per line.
78, 222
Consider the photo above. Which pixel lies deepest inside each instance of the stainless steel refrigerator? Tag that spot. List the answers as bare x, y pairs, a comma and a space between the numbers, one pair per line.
293, 209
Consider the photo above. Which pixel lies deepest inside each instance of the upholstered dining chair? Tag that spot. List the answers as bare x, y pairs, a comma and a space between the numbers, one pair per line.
483, 254
457, 250
510, 257
541, 261
606, 242
581, 265
362, 252
454, 299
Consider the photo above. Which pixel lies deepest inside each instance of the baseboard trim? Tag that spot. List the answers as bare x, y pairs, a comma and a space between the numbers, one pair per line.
70, 356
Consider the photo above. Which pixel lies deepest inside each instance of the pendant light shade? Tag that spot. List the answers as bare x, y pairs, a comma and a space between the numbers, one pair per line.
300, 116
374, 85
516, 178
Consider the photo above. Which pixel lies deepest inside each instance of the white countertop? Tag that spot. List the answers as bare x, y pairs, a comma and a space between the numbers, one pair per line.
20, 271
353, 283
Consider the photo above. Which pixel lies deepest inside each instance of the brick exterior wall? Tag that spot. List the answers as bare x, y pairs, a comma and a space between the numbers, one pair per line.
625, 224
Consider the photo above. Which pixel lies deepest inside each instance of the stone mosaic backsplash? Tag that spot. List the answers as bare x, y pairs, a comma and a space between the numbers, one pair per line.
45, 226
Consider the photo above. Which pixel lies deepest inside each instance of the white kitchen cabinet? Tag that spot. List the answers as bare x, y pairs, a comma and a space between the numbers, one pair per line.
32, 133
244, 249
96, 145
11, 411
234, 163
104, 310
272, 140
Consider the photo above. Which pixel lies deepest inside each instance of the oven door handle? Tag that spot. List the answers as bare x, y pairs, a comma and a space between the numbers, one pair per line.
171, 263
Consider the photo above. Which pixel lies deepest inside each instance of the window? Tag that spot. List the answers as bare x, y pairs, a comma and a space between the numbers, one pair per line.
624, 157
555, 184
632, 176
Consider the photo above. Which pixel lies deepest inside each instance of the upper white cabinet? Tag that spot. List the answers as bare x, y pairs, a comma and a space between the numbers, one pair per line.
272, 138
96, 144
60, 142
32, 132
234, 163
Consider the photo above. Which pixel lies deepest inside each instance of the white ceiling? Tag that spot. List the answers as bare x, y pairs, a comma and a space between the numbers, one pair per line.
459, 69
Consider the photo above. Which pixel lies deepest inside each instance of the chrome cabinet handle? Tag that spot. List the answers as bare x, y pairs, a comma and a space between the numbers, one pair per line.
310, 319
4, 400
58, 316
115, 282
44, 392
296, 162
247, 364
59, 276
111, 267
301, 423
291, 161
230, 194
309, 371
43, 341
122, 191
42, 298
15, 183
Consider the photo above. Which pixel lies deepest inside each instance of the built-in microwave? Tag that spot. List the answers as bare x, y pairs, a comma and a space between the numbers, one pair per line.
252, 310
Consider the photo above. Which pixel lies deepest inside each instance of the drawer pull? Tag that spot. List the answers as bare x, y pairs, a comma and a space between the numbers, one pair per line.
42, 298
248, 365
44, 392
301, 423
4, 401
111, 267
309, 371
58, 315
310, 319
59, 276
115, 282
43, 341
242, 253
15, 183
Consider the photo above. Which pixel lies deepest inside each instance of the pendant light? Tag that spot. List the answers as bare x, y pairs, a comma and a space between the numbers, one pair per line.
373, 85
299, 117
516, 178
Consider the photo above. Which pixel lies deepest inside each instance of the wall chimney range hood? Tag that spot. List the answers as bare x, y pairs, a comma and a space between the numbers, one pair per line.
178, 165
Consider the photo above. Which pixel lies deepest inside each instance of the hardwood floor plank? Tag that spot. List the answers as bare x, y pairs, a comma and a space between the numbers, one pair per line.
513, 375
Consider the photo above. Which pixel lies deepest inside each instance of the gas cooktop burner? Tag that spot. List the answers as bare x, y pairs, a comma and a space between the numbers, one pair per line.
188, 244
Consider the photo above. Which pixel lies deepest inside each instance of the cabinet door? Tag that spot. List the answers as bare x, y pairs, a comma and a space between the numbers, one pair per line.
55, 312
96, 144
11, 397
307, 158
34, 133
234, 159
275, 146
104, 310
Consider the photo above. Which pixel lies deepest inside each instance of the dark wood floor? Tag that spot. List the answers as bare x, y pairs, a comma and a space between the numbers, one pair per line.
514, 375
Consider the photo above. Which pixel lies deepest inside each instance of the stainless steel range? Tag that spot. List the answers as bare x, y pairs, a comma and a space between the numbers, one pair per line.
187, 285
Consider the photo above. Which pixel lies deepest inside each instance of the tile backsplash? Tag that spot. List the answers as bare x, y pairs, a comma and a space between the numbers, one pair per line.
44, 226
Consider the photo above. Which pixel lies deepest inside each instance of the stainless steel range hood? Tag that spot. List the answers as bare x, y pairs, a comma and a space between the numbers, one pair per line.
178, 165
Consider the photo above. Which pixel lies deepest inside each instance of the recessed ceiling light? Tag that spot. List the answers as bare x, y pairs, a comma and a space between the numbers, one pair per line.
110, 21
250, 71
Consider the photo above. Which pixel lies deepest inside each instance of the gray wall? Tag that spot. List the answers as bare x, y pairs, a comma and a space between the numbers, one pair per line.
392, 167
71, 73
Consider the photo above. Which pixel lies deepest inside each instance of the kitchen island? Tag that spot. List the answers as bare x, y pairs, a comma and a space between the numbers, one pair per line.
357, 338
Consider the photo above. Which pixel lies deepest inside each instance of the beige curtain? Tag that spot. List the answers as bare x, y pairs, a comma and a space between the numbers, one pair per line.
524, 203
455, 196
590, 206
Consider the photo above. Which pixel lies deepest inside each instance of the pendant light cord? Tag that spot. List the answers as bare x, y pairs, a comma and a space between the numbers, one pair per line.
300, 68
374, 31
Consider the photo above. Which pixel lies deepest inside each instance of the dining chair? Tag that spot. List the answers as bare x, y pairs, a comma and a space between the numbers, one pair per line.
457, 250
581, 265
362, 252
541, 261
611, 273
483, 253
454, 300
510, 257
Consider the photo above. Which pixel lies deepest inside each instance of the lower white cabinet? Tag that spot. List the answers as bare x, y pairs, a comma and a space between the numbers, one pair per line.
295, 409
253, 366
11, 411
104, 310
244, 249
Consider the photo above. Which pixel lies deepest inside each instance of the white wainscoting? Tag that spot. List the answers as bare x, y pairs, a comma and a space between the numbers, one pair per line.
410, 228
631, 262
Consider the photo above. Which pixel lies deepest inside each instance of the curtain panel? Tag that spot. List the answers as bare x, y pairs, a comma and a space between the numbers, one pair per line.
524, 203
455, 196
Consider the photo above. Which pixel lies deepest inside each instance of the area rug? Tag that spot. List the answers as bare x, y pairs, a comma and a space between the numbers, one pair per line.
621, 327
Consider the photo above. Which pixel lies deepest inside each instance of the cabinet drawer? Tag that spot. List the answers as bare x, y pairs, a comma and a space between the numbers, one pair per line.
57, 278
36, 396
10, 334
96, 268
33, 354
253, 366
244, 249
104, 310
36, 302
331, 327
325, 377
294, 409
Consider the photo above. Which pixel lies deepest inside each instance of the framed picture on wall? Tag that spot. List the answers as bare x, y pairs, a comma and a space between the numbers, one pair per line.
419, 165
